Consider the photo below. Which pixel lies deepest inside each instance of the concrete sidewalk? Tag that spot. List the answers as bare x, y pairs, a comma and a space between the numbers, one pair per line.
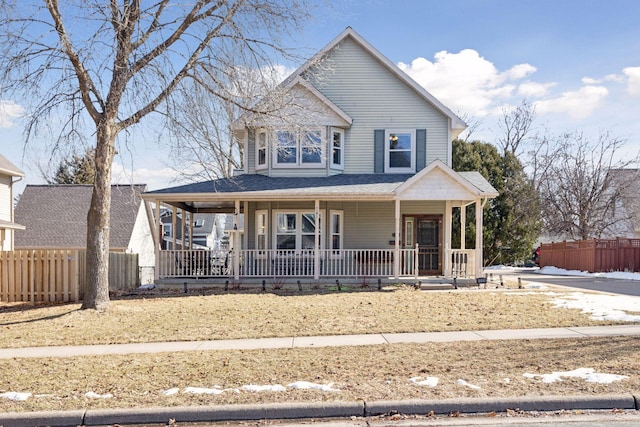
319, 341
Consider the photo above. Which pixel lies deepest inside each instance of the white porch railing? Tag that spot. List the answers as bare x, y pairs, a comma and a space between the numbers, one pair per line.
351, 263
463, 263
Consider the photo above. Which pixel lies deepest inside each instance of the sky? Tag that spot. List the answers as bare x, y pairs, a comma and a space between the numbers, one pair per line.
576, 61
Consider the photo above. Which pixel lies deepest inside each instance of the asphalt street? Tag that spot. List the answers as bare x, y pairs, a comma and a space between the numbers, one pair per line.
616, 286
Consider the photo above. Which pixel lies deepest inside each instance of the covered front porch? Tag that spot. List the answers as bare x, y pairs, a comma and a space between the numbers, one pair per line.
345, 226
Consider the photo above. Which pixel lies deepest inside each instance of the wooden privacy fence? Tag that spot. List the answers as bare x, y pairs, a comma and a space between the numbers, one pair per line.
58, 275
595, 256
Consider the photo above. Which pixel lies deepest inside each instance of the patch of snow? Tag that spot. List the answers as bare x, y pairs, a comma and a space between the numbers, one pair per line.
428, 381
499, 267
536, 286
555, 271
202, 390
587, 374
171, 391
147, 286
92, 395
15, 396
602, 306
304, 385
466, 384
257, 388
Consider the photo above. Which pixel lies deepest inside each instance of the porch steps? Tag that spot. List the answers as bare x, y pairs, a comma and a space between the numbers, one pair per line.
436, 286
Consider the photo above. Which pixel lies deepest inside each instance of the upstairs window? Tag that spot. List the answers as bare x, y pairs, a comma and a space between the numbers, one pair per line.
261, 150
399, 151
337, 149
299, 149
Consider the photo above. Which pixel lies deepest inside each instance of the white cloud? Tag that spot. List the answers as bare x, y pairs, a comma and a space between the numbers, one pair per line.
577, 104
633, 82
465, 81
533, 89
154, 178
9, 111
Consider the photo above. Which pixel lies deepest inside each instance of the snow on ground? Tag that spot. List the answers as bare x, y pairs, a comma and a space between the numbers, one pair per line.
428, 381
13, 395
93, 395
602, 306
587, 374
555, 271
258, 388
466, 384
304, 385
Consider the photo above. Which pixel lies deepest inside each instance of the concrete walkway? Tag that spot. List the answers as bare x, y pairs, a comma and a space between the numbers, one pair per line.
320, 341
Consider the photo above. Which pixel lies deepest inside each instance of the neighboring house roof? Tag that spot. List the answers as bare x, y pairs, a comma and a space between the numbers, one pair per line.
56, 215
208, 223
297, 77
8, 168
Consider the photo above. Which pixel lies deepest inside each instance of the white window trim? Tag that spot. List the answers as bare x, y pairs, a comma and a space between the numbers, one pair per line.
266, 149
330, 142
298, 164
387, 167
167, 230
335, 254
298, 213
262, 253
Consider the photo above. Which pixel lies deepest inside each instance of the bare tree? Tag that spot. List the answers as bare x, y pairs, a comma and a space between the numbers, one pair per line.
516, 126
578, 191
112, 63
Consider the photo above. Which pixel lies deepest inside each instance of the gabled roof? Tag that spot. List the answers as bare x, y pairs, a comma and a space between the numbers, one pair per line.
8, 168
456, 122
55, 216
472, 182
297, 77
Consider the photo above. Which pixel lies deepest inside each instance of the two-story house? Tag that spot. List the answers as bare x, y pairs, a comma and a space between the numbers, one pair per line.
352, 177
8, 173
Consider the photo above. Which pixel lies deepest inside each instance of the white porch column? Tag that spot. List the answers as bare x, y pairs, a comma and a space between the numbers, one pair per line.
236, 242
463, 226
316, 244
479, 242
160, 239
174, 233
446, 265
396, 252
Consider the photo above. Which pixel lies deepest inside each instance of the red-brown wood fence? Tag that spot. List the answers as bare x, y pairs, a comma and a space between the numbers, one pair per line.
595, 256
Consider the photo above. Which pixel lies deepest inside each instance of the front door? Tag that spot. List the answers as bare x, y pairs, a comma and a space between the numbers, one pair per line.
428, 235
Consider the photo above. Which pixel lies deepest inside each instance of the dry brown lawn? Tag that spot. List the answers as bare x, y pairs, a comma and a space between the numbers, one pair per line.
267, 314
360, 373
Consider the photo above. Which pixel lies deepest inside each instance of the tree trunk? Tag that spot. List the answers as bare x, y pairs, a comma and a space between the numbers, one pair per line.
96, 295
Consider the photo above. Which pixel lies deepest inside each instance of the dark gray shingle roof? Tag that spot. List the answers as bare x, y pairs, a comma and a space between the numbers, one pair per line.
55, 216
361, 183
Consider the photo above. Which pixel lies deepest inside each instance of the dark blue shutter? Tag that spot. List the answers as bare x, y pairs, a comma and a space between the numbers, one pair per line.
421, 149
378, 143
251, 147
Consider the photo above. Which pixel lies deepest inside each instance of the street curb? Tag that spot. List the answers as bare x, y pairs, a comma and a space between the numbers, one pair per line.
485, 405
277, 411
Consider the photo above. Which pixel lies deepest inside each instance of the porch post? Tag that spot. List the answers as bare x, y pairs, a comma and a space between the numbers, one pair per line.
174, 233
479, 242
446, 265
463, 226
191, 216
160, 239
396, 252
316, 245
236, 242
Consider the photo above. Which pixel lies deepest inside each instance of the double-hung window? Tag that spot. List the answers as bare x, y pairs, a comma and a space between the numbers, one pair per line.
261, 232
295, 231
261, 150
335, 228
400, 151
299, 148
337, 148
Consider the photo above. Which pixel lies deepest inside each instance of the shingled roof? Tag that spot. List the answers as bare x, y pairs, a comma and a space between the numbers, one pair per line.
8, 168
55, 216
